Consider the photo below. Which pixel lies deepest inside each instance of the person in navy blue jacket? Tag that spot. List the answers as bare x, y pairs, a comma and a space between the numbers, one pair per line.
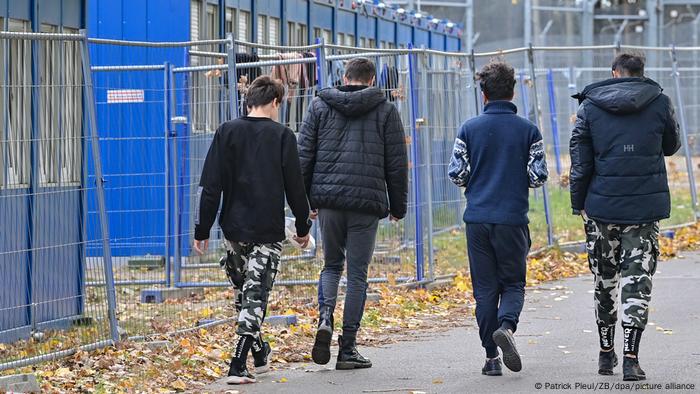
497, 157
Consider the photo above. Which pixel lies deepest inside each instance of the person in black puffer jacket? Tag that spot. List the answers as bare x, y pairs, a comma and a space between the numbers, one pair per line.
624, 128
352, 149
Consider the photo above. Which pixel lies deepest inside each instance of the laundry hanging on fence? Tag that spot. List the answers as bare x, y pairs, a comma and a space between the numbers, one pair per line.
389, 82
246, 76
337, 71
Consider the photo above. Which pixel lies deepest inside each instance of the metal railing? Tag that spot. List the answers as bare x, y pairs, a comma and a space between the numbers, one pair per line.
146, 129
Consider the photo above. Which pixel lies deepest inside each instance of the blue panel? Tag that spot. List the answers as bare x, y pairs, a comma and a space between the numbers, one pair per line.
50, 12
437, 41
13, 266
20, 9
297, 11
322, 16
452, 44
268, 7
56, 269
73, 13
421, 37
404, 34
346, 22
387, 30
366, 26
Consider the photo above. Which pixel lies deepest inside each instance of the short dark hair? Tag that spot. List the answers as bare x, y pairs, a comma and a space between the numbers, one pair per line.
497, 80
360, 69
631, 64
263, 91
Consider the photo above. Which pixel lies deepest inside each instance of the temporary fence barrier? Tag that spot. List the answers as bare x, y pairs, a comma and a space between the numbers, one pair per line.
101, 162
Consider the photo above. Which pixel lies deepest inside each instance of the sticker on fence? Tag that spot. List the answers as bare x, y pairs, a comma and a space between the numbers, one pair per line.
125, 96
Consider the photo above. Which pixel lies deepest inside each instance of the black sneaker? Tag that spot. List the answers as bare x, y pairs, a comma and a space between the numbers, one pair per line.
606, 362
504, 339
631, 369
238, 374
492, 367
321, 352
349, 357
262, 358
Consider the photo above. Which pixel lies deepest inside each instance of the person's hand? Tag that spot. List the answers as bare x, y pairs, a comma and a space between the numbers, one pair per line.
201, 246
314, 214
303, 241
393, 218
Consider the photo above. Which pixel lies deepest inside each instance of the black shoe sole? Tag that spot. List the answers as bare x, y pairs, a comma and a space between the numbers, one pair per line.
492, 373
606, 372
633, 378
321, 352
345, 365
511, 358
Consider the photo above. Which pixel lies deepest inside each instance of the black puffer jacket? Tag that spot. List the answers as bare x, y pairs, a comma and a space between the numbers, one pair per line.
624, 127
352, 149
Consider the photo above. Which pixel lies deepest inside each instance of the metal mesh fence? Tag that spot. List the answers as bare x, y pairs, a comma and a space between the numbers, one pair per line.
100, 171
55, 297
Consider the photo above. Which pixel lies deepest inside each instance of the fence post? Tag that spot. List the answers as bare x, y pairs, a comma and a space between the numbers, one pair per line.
99, 190
684, 132
166, 115
472, 66
232, 77
415, 167
177, 258
553, 118
320, 63
427, 137
536, 111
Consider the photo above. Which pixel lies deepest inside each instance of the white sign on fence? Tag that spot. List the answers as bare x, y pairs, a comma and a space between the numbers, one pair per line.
125, 96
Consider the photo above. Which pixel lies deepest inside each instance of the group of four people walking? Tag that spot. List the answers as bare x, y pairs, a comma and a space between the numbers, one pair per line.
348, 167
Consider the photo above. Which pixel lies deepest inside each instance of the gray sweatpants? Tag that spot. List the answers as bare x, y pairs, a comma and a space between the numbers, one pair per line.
346, 236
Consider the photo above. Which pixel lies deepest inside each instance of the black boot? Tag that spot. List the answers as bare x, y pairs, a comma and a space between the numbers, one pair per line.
606, 362
321, 352
261, 356
631, 369
492, 367
238, 372
511, 358
348, 356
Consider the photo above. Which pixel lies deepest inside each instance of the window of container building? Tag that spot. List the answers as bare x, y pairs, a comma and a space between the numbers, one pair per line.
229, 26
60, 122
194, 19
17, 89
274, 31
327, 35
297, 34
350, 40
243, 28
212, 27
340, 39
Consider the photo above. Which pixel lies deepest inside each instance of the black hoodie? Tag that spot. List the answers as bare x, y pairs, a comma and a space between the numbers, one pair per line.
624, 127
352, 149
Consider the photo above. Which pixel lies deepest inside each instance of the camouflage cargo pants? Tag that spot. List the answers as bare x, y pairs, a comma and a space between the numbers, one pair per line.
624, 257
252, 269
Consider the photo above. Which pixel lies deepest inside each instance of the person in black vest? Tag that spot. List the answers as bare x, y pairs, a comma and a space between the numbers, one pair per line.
497, 157
253, 161
624, 127
353, 156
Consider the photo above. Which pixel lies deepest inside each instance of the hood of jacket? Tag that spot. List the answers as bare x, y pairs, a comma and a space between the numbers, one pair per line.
621, 95
353, 100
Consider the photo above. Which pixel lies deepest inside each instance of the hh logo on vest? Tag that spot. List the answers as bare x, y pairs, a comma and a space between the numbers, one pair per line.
628, 148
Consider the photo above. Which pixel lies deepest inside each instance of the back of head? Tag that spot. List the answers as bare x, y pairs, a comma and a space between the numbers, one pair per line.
263, 91
497, 80
629, 65
360, 71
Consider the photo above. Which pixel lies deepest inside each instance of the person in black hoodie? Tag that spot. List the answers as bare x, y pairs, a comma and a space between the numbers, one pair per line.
624, 128
353, 156
254, 162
